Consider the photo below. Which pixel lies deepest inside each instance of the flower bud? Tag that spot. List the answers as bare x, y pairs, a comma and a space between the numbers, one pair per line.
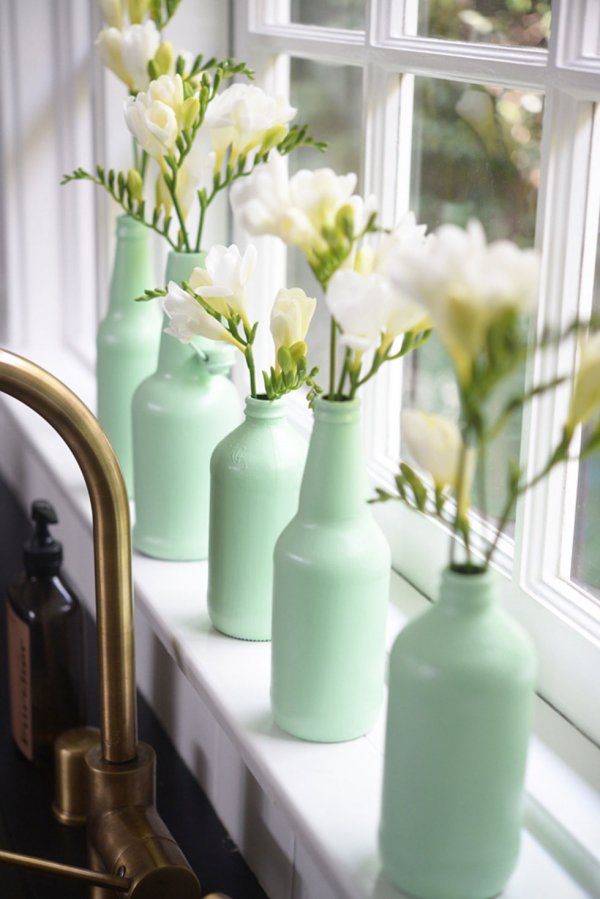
273, 137
163, 58
189, 112
112, 13
298, 350
284, 359
134, 184
137, 10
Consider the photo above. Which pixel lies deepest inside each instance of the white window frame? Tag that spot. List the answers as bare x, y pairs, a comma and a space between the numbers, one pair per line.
565, 622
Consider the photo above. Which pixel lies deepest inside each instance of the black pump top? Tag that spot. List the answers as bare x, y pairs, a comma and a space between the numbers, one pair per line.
42, 553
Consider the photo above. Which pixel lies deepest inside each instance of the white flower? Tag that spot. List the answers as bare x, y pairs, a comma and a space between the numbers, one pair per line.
153, 117
466, 285
222, 282
242, 117
258, 201
585, 398
436, 445
168, 89
316, 199
128, 52
298, 209
140, 43
291, 316
370, 311
188, 319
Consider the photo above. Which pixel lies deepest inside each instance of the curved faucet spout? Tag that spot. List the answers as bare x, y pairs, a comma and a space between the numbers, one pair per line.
80, 430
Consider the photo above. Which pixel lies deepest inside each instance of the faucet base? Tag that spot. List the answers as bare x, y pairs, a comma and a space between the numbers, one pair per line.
126, 835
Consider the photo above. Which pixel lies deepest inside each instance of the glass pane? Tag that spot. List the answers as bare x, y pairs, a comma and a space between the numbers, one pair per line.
585, 566
475, 154
330, 100
329, 13
520, 23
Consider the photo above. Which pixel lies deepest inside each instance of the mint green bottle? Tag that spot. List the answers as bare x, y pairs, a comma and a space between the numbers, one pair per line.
461, 686
330, 591
255, 481
127, 339
180, 413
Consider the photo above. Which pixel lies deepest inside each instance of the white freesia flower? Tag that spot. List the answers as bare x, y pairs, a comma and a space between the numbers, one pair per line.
316, 199
295, 209
242, 116
140, 43
222, 282
291, 316
127, 52
370, 311
436, 445
466, 285
112, 12
153, 117
585, 398
258, 201
188, 319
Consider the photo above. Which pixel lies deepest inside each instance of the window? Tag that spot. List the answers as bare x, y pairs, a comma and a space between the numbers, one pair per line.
454, 111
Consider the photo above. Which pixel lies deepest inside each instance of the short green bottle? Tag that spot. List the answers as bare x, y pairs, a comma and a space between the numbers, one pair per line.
127, 339
180, 413
461, 686
255, 481
330, 591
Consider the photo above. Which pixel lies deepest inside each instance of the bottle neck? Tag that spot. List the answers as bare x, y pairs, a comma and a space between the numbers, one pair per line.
264, 412
466, 594
335, 486
133, 270
173, 354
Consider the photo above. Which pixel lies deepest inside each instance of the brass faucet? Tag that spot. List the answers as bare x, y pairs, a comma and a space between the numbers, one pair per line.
129, 845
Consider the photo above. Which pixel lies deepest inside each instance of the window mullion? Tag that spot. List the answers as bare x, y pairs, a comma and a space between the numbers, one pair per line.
545, 516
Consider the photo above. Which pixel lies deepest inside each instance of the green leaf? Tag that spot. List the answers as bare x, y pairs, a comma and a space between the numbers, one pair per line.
416, 484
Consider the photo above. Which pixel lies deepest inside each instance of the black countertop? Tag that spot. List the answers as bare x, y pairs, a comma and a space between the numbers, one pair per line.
26, 822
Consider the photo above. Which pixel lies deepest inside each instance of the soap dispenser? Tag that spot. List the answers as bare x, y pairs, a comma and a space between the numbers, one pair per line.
45, 645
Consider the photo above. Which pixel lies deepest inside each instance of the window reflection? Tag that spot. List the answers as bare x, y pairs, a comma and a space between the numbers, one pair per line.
476, 154
522, 23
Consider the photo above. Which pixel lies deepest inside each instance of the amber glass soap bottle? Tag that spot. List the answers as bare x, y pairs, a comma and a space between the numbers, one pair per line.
45, 645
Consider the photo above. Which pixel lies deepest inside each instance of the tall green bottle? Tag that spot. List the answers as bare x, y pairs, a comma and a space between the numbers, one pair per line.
461, 685
127, 339
255, 481
330, 591
180, 413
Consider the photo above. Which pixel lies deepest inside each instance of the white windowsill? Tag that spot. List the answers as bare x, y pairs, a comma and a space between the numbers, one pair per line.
305, 815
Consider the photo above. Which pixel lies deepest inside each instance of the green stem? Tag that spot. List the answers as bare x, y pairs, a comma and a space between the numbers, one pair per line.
462, 464
144, 165
172, 188
204, 203
250, 363
345, 369
332, 351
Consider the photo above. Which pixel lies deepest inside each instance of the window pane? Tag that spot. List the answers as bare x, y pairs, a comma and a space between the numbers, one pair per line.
329, 13
521, 23
330, 100
475, 154
585, 565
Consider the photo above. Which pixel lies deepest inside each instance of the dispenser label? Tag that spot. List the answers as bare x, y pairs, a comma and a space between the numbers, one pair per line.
19, 666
